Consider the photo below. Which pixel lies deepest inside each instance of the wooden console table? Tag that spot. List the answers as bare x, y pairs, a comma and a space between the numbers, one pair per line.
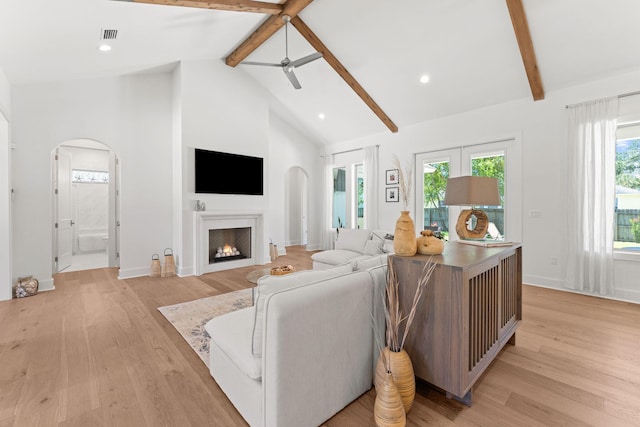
470, 310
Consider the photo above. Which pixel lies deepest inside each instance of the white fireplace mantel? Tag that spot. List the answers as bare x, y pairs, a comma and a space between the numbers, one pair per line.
214, 220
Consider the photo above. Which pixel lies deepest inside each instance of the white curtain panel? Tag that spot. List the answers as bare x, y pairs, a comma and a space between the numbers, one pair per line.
591, 198
371, 179
326, 237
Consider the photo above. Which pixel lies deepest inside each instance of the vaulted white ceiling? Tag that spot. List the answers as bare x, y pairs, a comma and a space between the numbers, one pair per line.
468, 49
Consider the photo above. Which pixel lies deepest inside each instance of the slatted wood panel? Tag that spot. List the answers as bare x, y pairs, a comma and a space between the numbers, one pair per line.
510, 288
483, 314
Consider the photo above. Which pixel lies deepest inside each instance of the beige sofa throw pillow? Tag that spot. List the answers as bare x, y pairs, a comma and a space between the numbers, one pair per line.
353, 239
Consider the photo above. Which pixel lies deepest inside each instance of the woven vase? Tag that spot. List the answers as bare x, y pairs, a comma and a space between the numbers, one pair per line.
403, 376
388, 410
404, 238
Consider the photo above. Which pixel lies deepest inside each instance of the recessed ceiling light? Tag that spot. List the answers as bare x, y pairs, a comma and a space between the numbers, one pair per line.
321, 116
104, 48
424, 79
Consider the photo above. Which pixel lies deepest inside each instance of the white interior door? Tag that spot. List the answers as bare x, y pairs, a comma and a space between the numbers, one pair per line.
64, 222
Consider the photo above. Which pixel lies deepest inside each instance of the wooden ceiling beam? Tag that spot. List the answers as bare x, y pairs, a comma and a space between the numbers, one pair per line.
521, 28
230, 5
342, 71
268, 28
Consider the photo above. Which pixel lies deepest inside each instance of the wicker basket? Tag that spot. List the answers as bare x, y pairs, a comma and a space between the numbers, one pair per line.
283, 269
25, 287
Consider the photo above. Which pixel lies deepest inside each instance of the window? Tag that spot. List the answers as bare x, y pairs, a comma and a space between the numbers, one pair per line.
339, 197
492, 166
359, 199
349, 182
488, 159
627, 189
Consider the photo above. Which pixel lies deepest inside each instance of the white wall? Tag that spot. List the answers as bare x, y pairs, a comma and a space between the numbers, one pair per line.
541, 128
5, 191
288, 148
132, 116
219, 109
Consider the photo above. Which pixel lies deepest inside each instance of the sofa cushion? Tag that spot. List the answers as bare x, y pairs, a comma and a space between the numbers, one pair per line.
369, 262
269, 285
335, 256
352, 239
232, 334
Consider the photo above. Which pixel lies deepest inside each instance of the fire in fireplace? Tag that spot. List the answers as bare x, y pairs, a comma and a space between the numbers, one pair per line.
229, 244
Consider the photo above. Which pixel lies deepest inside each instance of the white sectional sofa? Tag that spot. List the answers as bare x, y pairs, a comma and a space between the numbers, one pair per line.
306, 349
351, 246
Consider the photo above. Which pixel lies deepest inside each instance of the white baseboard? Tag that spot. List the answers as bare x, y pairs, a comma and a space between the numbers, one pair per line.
46, 285
625, 295
184, 272
545, 282
130, 273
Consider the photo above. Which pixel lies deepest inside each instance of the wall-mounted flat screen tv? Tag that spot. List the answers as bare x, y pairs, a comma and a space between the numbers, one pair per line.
226, 173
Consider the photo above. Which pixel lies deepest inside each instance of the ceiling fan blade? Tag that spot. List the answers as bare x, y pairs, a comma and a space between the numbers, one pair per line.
267, 64
306, 59
292, 77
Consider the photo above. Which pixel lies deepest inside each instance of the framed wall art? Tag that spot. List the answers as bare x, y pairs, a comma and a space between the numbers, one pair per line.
392, 194
392, 177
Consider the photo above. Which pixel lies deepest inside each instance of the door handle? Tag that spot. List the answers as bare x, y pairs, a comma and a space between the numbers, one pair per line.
72, 223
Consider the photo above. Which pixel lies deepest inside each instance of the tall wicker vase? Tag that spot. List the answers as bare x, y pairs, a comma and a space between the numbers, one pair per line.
404, 239
388, 410
403, 376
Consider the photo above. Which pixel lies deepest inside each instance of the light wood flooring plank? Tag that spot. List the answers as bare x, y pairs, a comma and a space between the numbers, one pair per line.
97, 352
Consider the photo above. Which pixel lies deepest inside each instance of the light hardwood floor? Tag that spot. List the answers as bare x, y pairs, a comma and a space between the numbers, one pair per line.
96, 352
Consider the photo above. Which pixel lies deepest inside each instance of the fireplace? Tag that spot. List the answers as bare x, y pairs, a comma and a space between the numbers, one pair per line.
218, 233
228, 244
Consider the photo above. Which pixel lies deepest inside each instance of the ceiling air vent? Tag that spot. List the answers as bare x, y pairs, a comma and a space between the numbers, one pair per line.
109, 34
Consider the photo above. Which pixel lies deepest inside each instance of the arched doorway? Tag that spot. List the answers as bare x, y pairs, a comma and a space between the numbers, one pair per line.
296, 206
85, 189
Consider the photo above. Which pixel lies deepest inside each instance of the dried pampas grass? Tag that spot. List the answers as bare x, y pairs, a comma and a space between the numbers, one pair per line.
397, 322
405, 181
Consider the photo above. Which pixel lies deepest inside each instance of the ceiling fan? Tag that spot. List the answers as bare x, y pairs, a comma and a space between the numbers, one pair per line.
286, 64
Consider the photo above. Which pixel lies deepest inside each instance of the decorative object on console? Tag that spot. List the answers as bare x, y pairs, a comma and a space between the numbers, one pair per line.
393, 358
280, 270
429, 244
404, 242
169, 267
156, 268
472, 191
388, 410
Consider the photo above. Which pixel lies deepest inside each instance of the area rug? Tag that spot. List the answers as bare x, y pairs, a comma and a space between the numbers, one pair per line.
190, 317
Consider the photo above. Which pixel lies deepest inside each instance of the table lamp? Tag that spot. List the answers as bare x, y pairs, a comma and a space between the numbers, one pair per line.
472, 191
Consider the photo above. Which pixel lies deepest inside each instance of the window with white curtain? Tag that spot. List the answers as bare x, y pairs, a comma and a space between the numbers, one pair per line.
349, 184
626, 239
627, 196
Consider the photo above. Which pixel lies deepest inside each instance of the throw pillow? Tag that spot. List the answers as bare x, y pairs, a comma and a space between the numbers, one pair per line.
373, 247
269, 285
353, 239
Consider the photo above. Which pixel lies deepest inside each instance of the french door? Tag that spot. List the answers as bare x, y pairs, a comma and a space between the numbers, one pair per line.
489, 159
